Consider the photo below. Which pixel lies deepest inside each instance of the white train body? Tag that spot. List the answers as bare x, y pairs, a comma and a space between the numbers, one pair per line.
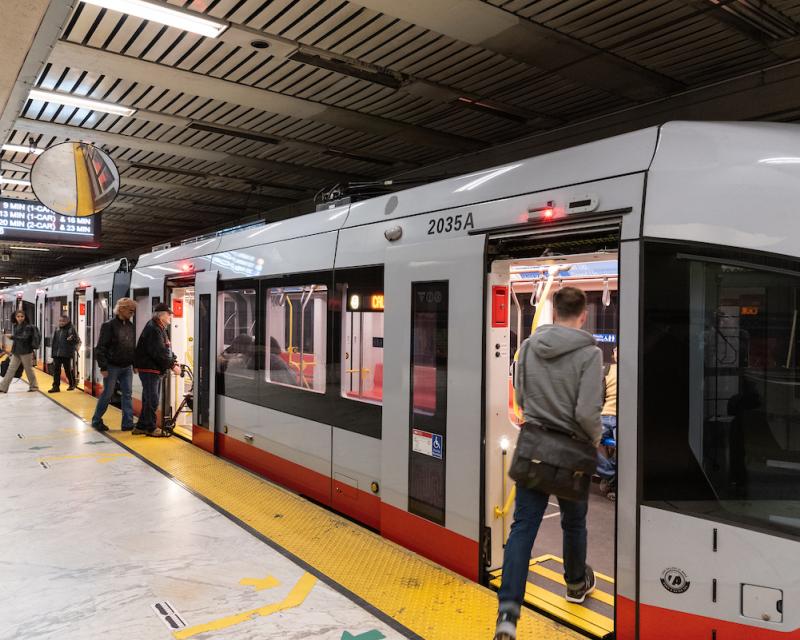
422, 463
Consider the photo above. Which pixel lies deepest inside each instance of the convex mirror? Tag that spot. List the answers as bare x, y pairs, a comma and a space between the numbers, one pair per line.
75, 179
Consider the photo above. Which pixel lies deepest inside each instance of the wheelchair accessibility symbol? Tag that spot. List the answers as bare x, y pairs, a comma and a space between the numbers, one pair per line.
437, 446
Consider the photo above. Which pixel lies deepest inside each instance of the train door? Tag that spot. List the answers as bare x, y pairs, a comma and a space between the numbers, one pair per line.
204, 393
53, 308
431, 420
40, 322
178, 395
80, 320
524, 275
102, 310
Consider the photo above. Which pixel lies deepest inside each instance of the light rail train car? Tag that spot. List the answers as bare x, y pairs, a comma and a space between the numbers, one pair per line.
87, 296
684, 237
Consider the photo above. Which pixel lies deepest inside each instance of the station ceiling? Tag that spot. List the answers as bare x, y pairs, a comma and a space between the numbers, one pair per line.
296, 96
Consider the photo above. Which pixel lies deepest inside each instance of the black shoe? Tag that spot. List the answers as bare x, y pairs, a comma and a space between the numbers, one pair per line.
139, 430
578, 594
71, 388
506, 628
127, 428
53, 390
100, 427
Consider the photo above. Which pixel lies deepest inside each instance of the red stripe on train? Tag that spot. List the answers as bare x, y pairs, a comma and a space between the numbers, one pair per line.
625, 623
454, 551
657, 623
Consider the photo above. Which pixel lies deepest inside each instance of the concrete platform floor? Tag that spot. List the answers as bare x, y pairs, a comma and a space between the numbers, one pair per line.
94, 539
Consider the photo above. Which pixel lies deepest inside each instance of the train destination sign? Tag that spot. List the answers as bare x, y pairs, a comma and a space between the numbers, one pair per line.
29, 221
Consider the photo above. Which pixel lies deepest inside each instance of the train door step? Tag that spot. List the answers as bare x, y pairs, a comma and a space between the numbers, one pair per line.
545, 592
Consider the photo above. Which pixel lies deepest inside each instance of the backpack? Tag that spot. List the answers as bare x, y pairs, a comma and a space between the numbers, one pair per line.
36, 338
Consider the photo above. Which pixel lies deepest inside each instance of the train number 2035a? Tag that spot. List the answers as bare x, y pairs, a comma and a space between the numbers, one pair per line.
450, 223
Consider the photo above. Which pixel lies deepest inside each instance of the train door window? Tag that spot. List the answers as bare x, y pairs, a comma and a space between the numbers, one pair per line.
722, 387
428, 424
236, 356
362, 345
296, 330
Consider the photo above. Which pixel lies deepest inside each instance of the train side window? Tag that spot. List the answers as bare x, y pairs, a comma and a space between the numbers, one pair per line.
296, 333
236, 356
362, 345
721, 430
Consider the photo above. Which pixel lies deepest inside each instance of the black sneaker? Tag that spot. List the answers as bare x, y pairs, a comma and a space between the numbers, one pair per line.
71, 388
100, 427
53, 390
506, 628
127, 428
578, 594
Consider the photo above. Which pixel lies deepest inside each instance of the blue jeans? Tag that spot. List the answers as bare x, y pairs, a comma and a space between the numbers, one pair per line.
530, 508
607, 467
125, 377
151, 397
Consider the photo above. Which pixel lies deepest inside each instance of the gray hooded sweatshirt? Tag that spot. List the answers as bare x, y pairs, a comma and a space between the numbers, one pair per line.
559, 381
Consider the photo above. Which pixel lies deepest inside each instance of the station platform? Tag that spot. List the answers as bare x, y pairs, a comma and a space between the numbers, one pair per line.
155, 538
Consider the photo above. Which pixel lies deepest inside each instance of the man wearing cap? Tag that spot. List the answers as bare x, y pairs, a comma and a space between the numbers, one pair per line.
153, 359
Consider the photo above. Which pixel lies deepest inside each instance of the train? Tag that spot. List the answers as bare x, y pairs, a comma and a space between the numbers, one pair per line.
362, 356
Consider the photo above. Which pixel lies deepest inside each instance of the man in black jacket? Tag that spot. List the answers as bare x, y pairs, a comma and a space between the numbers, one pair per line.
114, 354
154, 358
65, 341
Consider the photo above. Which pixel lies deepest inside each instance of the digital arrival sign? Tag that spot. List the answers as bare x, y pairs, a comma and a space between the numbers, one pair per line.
29, 221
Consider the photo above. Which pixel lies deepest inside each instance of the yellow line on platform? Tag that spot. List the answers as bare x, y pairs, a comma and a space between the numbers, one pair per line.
432, 602
296, 597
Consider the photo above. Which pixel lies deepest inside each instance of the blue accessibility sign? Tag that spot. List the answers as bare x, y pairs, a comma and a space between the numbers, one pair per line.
437, 446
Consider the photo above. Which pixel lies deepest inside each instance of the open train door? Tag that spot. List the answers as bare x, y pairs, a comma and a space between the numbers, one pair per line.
431, 438
88, 340
205, 310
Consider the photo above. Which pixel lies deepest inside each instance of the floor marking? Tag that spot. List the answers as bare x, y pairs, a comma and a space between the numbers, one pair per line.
259, 584
168, 615
39, 447
369, 635
102, 458
296, 597
552, 515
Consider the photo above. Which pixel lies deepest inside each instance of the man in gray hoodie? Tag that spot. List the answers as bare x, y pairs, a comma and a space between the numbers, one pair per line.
558, 385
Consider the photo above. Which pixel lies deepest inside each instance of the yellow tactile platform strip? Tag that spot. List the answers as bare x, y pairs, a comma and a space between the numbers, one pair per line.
425, 598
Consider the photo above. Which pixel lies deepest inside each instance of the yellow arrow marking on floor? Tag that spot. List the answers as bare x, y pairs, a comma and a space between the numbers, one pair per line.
259, 584
296, 597
100, 457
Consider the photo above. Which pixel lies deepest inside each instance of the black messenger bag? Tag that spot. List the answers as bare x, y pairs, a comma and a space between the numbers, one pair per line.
570, 462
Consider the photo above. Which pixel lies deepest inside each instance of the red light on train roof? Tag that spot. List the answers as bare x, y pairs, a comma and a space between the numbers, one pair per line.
547, 214
186, 267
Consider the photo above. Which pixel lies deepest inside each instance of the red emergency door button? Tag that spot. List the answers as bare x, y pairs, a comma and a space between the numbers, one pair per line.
499, 307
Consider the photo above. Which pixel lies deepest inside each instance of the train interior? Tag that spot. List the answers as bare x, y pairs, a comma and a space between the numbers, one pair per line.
521, 298
178, 389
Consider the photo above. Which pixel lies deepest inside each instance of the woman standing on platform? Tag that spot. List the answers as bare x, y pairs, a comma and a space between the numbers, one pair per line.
65, 341
25, 336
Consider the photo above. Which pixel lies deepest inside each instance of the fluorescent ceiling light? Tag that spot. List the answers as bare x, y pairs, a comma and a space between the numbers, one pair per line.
29, 248
78, 101
21, 183
12, 278
164, 14
20, 148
